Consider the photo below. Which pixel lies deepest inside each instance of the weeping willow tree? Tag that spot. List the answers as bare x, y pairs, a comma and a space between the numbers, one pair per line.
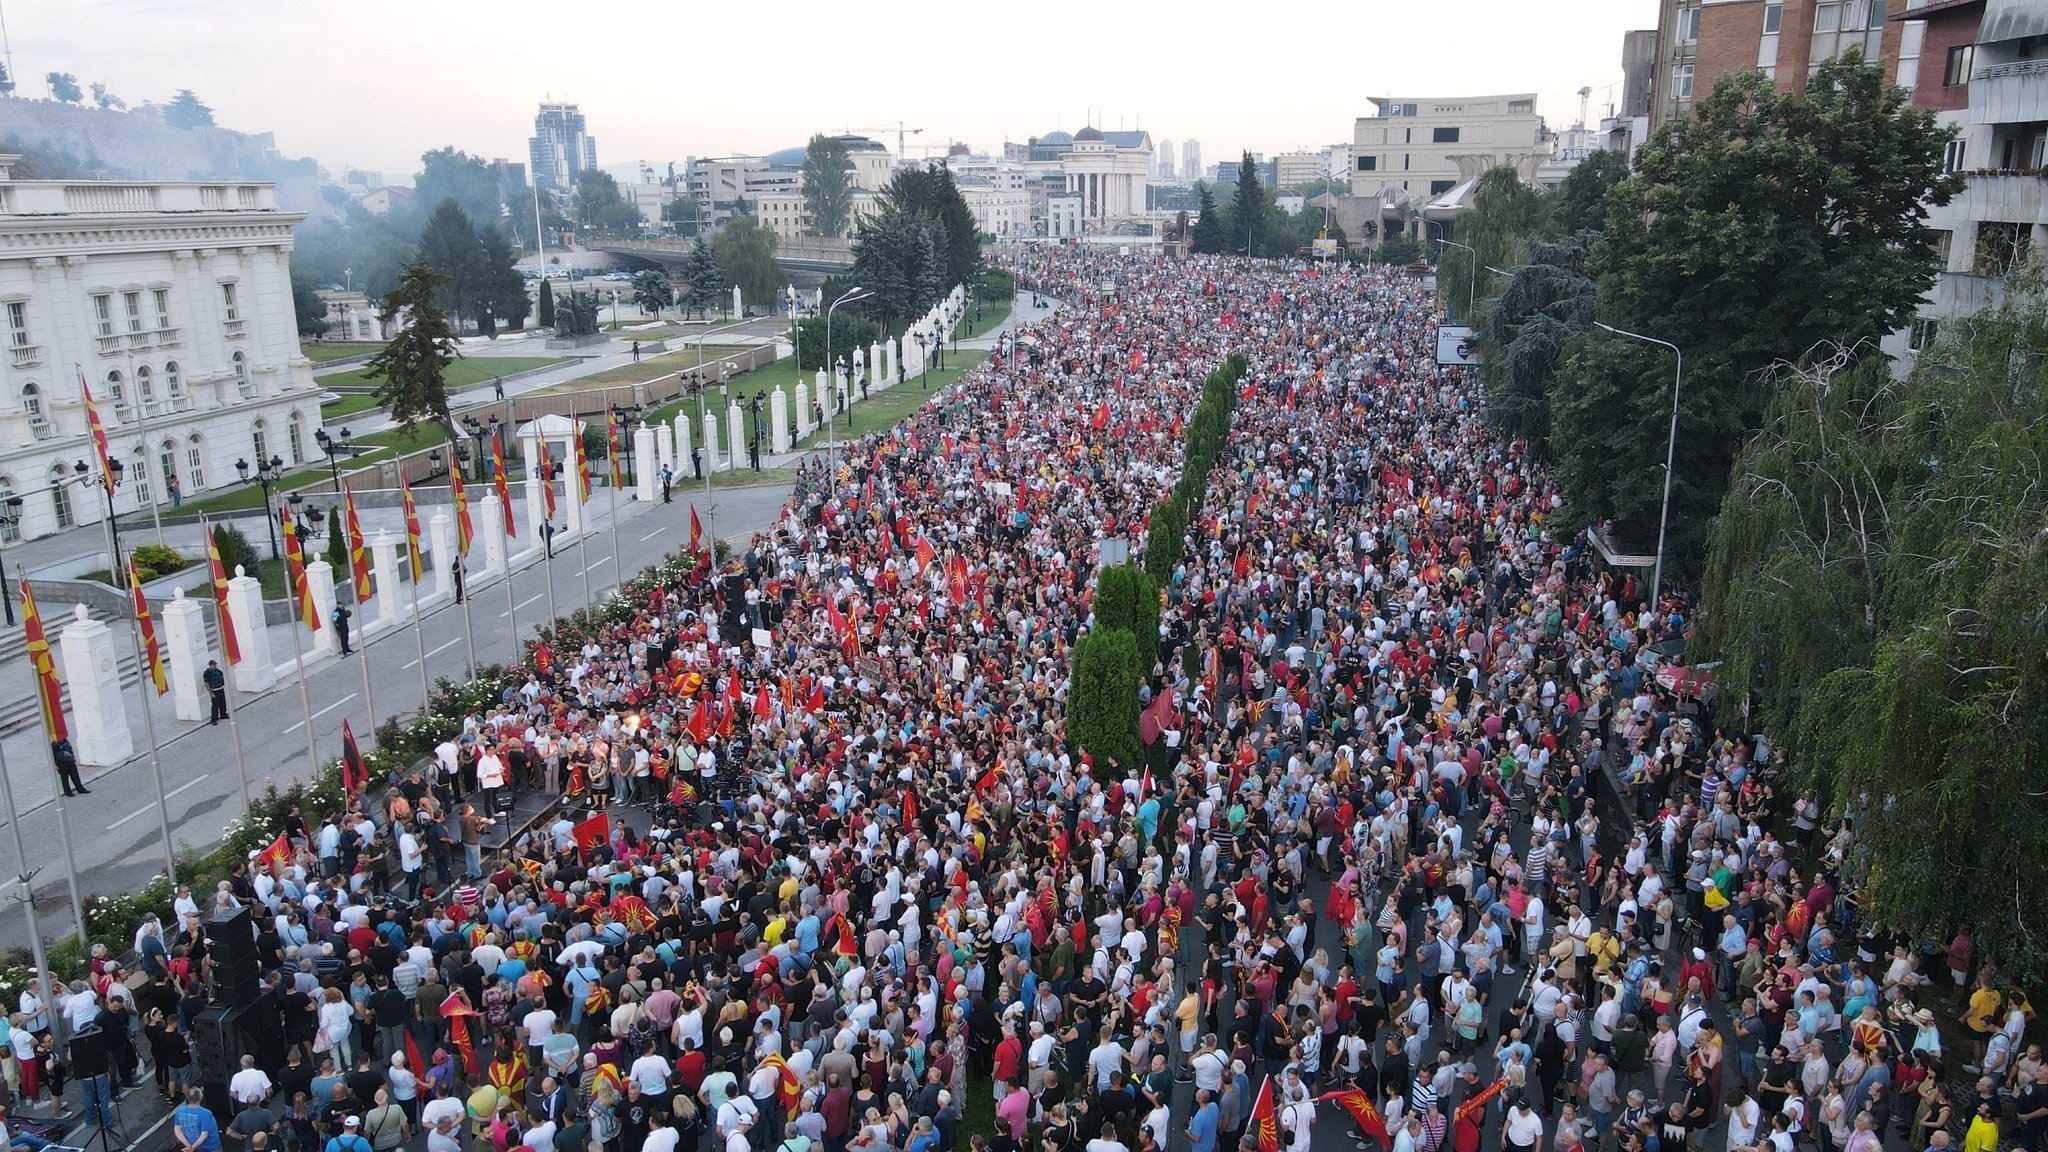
1879, 578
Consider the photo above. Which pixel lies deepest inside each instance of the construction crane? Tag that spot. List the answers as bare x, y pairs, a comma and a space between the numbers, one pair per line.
898, 129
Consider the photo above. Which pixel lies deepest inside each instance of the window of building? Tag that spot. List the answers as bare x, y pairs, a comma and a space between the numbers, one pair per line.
174, 384
163, 307
117, 391
1439, 187
1688, 25
1774, 18
103, 314
1922, 332
228, 309
10, 528
1515, 106
1944, 243
260, 432
1443, 135
1952, 156
131, 304
60, 496
298, 441
242, 382
1957, 70
195, 463
145, 384
1404, 163
32, 403
138, 476
1827, 18
2001, 246
17, 324
1681, 81
167, 462
1368, 163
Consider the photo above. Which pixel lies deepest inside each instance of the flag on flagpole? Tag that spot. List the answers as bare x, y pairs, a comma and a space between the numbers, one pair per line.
547, 477
355, 774
612, 450
49, 690
278, 854
696, 530
358, 557
295, 566
412, 531
412, 1054
582, 460
99, 434
789, 1087
463, 528
151, 650
498, 479
591, 833
1265, 1118
230, 645
1360, 1106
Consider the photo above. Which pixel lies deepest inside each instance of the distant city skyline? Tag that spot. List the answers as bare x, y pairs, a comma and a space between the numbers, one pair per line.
394, 80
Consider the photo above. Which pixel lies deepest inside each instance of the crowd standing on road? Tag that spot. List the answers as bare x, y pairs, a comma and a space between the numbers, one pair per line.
853, 889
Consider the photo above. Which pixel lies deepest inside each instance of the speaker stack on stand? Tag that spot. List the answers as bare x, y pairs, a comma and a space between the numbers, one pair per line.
242, 1018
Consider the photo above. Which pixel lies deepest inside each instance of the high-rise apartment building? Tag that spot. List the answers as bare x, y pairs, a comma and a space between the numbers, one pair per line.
1423, 148
1700, 41
1294, 169
1166, 169
560, 148
1191, 160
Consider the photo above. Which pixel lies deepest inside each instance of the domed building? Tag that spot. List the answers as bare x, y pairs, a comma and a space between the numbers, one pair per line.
1109, 171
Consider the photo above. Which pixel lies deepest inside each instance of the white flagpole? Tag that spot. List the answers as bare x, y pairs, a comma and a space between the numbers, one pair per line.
419, 626
144, 683
26, 878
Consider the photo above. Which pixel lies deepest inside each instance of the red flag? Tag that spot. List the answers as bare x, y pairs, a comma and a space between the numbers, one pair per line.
358, 558
458, 1031
412, 530
99, 434
1153, 722
925, 552
909, 807
152, 651
49, 689
1361, 1108
498, 480
699, 724
1100, 420
764, 704
547, 476
725, 715
837, 619
1242, 567
612, 451
1265, 1119
1479, 1100
734, 692
816, 703
464, 530
355, 774
591, 833
956, 579
278, 854
789, 1088
696, 530
231, 647
582, 460
412, 1054
295, 567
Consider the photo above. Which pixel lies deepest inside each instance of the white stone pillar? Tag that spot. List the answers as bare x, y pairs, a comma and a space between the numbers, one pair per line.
320, 578
258, 669
572, 498
874, 366
738, 308
185, 655
778, 414
665, 445
490, 529
823, 393
803, 411
441, 534
709, 431
384, 574
645, 469
536, 502
680, 429
888, 363
736, 430
92, 670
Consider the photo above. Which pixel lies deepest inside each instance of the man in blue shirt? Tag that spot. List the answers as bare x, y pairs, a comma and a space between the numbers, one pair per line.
1202, 1127
194, 1127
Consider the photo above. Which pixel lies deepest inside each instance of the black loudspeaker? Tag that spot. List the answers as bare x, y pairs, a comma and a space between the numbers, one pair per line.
88, 1052
231, 942
216, 1054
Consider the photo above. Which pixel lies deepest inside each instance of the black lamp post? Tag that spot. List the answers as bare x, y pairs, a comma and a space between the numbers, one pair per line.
10, 519
754, 443
924, 364
335, 447
267, 472
110, 483
627, 417
300, 528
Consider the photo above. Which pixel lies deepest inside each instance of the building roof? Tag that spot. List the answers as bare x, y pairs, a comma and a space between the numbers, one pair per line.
786, 158
1936, 8
861, 144
1054, 138
1129, 139
1088, 133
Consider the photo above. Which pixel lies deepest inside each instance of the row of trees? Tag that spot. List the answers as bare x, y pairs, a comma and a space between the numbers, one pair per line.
184, 110
920, 242
1253, 224
1166, 532
1766, 224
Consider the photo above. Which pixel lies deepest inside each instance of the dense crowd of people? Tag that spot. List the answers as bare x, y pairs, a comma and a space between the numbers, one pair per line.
854, 889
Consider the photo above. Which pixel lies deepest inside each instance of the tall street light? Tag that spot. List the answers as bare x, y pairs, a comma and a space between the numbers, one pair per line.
1670, 449
10, 523
482, 433
1471, 281
268, 472
335, 447
853, 295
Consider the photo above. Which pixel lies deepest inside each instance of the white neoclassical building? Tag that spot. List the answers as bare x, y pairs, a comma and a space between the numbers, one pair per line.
1110, 171
174, 300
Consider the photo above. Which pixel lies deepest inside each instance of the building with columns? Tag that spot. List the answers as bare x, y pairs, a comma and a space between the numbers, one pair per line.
1110, 171
175, 301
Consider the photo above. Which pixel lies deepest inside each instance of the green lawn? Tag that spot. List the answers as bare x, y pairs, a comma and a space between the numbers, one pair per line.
884, 410
350, 403
992, 314
322, 353
465, 372
649, 368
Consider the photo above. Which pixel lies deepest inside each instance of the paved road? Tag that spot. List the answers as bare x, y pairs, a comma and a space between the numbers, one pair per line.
115, 832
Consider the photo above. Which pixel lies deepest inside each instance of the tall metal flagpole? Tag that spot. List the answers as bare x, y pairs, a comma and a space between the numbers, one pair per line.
511, 604
369, 700
468, 628
220, 626
144, 683
419, 629
299, 661
70, 875
612, 492
26, 879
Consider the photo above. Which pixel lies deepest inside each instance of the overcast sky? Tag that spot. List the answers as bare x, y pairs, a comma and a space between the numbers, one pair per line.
373, 83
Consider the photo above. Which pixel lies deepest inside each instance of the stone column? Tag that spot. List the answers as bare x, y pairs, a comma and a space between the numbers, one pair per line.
803, 410
709, 430
490, 529
185, 655
384, 573
736, 429
572, 500
823, 393
645, 469
665, 445
92, 670
874, 366
778, 415
677, 433
320, 578
258, 669
888, 363
536, 503
441, 534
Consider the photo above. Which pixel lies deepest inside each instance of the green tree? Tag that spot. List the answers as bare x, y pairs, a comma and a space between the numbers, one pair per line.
1165, 539
545, 313
1247, 209
1525, 330
746, 257
64, 86
929, 195
413, 366
105, 100
849, 334
1209, 236
6, 81
449, 174
337, 551
886, 257
703, 281
600, 204
1582, 199
235, 549
1506, 215
449, 245
1763, 225
828, 185
501, 294
1399, 249
309, 309
683, 209
652, 290
552, 222
1876, 585
358, 249
1102, 706
186, 111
